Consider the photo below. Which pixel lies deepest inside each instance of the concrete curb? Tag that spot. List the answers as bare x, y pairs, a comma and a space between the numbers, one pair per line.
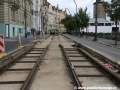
109, 45
105, 44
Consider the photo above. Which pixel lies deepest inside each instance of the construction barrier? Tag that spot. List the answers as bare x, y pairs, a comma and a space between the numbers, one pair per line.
2, 45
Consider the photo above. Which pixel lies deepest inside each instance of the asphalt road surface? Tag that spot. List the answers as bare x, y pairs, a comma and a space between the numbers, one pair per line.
110, 52
13, 43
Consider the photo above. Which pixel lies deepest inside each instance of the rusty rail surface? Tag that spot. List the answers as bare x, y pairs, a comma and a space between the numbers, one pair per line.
32, 74
96, 63
102, 57
111, 74
8, 60
14, 57
71, 70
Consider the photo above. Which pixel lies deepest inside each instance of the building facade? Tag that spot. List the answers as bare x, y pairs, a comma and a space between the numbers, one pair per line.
12, 14
100, 9
55, 15
104, 26
62, 16
51, 18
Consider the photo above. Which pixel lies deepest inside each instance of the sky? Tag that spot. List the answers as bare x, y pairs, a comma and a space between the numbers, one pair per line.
72, 7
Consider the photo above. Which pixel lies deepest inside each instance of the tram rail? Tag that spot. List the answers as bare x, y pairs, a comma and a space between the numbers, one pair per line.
95, 63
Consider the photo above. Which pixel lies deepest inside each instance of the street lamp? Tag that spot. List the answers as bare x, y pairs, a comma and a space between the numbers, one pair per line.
76, 13
96, 23
68, 10
76, 6
25, 18
114, 12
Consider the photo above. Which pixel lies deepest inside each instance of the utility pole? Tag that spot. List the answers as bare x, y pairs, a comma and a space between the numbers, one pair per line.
96, 23
44, 17
76, 14
25, 12
56, 17
76, 5
116, 22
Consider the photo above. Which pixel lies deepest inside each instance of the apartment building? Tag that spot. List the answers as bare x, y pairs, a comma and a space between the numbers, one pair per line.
62, 16
55, 15
51, 18
12, 17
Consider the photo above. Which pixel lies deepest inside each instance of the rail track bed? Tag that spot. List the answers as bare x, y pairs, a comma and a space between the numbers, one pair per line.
46, 66
86, 71
20, 73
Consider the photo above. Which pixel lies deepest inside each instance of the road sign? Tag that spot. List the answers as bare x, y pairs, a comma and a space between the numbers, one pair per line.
96, 23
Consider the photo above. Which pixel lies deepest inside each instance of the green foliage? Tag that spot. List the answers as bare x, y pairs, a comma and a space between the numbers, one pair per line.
79, 20
82, 18
69, 22
112, 9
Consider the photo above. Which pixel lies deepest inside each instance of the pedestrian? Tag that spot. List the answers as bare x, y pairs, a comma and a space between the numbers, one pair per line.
83, 33
80, 33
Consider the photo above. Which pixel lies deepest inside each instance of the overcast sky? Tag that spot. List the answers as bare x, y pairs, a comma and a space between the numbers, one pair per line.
72, 7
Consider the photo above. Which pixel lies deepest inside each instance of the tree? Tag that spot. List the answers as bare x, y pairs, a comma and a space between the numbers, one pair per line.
69, 23
113, 11
82, 18
79, 20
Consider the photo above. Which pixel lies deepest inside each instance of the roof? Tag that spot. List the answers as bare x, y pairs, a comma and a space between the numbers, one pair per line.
99, 1
102, 20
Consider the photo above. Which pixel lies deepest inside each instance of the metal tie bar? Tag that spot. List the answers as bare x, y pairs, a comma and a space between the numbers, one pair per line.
85, 66
26, 69
11, 82
26, 62
92, 75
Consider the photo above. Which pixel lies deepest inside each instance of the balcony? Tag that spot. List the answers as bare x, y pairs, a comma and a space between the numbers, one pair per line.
1, 1
14, 3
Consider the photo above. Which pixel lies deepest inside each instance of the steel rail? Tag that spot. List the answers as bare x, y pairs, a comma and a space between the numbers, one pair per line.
112, 75
8, 60
32, 74
71, 70
104, 58
13, 58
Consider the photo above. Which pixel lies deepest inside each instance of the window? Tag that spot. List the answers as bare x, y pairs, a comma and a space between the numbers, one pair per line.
101, 24
12, 14
17, 17
20, 18
36, 13
113, 23
107, 24
91, 24
118, 23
